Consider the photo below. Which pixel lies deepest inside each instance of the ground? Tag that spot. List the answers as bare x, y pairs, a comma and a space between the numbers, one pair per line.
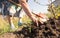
43, 31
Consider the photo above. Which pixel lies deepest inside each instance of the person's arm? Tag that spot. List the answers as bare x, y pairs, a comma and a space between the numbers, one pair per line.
27, 10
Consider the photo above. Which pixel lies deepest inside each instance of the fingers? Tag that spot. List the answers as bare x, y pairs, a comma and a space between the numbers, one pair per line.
35, 20
37, 23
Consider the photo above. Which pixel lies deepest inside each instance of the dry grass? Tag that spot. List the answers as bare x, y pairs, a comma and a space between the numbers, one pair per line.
4, 25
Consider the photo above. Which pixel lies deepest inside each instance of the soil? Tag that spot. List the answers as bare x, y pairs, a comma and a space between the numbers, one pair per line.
46, 30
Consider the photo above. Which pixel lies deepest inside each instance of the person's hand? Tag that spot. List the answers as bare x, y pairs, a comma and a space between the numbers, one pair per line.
35, 20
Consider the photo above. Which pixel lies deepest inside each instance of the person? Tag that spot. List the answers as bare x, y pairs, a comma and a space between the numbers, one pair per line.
25, 7
7, 12
27, 10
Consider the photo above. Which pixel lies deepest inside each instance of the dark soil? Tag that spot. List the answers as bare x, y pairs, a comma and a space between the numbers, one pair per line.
46, 30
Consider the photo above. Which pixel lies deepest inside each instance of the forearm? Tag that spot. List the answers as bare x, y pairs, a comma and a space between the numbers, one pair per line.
26, 8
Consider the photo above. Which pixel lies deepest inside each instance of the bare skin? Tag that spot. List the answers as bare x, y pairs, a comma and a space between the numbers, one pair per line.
27, 10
